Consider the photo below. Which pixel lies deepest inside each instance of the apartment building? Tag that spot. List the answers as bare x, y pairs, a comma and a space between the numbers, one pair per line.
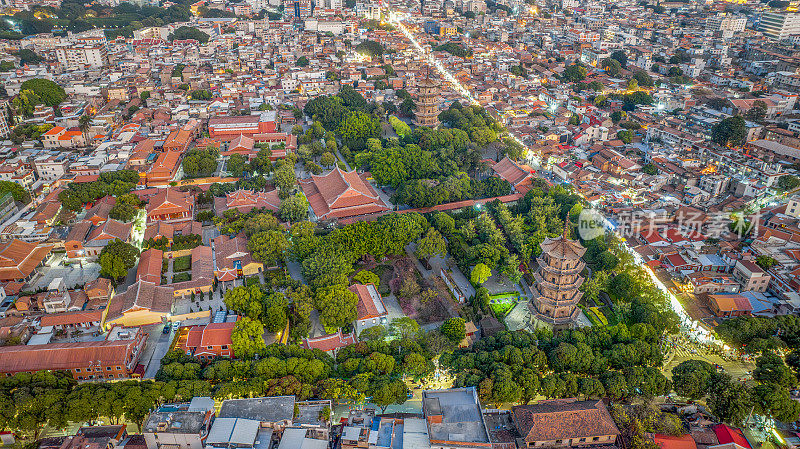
51, 167
751, 276
74, 57
727, 23
779, 24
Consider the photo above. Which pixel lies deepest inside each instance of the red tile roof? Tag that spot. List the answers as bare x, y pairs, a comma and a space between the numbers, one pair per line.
563, 419
245, 200
202, 270
340, 194
673, 442
64, 356
149, 268
71, 318
676, 260
229, 250
18, 259
370, 304
727, 435
330, 342
170, 201
513, 172
141, 295
110, 230
216, 334
674, 235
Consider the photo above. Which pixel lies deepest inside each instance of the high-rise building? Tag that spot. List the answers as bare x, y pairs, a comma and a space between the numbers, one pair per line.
427, 113
779, 24
727, 23
5, 128
298, 9
555, 294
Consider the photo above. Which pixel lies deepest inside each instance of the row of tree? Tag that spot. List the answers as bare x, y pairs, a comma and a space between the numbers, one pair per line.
117, 184
733, 401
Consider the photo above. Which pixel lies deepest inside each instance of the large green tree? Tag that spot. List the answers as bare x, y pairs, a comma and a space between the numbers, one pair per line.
574, 73
285, 178
611, 66
268, 247
729, 131
236, 164
390, 392
247, 338
454, 329
432, 244
770, 368
185, 32
336, 305
480, 273
693, 378
294, 208
275, 312
50, 93
116, 258
248, 301
357, 127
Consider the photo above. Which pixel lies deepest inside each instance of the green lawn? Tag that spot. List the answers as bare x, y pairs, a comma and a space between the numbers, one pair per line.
501, 309
609, 314
181, 277
506, 295
183, 263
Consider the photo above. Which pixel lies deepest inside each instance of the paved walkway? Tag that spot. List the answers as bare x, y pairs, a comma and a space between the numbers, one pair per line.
519, 317
209, 233
460, 279
168, 275
317, 329
393, 307
295, 271
157, 346
339, 156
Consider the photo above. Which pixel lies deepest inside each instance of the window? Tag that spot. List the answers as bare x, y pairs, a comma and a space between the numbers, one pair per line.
596, 439
108, 368
224, 346
77, 370
209, 347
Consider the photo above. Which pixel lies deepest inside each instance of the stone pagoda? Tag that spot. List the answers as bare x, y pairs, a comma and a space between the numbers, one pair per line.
555, 293
427, 113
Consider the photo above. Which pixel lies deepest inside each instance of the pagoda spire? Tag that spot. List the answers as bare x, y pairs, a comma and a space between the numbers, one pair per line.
557, 282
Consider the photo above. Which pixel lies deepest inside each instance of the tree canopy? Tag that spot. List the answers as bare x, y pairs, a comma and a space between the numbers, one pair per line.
48, 91
729, 131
